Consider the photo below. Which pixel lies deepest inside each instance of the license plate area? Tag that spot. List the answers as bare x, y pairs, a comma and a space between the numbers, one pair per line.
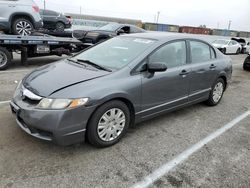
42, 49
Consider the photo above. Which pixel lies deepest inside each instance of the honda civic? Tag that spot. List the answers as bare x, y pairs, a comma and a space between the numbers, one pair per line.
99, 93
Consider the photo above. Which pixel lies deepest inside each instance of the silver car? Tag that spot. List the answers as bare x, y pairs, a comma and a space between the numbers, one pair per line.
19, 17
103, 90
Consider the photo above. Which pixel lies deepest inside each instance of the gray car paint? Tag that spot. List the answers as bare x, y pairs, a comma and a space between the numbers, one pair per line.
149, 94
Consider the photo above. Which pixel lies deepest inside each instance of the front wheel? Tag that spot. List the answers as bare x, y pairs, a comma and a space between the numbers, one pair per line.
5, 58
216, 93
108, 124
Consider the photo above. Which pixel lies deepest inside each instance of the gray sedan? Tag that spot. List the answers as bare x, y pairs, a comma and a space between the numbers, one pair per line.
100, 92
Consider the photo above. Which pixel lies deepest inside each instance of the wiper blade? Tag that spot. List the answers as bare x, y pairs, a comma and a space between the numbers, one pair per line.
77, 62
94, 65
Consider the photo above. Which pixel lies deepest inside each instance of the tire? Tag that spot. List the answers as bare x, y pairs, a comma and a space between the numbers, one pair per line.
224, 51
5, 58
238, 51
22, 26
60, 26
97, 134
247, 61
212, 101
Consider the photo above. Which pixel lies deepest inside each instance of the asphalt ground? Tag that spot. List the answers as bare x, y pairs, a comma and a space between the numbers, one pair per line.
223, 162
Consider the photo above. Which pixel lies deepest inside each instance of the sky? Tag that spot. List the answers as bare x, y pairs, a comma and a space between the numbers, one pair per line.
212, 13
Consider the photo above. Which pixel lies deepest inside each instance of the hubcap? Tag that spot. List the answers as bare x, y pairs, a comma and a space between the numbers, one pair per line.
111, 124
3, 59
217, 92
23, 28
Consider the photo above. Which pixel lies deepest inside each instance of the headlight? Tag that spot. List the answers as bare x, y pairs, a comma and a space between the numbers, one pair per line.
58, 104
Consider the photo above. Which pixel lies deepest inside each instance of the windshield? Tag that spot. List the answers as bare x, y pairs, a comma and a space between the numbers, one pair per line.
221, 42
115, 53
110, 27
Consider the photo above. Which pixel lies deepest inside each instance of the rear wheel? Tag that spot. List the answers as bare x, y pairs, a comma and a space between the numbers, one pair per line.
216, 93
5, 58
60, 26
108, 124
22, 26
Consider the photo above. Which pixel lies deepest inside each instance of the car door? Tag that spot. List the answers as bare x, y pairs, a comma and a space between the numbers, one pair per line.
204, 65
165, 90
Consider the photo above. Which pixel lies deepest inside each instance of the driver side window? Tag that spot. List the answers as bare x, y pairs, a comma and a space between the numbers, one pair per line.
173, 54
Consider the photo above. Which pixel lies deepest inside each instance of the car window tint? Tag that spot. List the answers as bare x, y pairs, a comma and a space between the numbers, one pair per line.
173, 54
200, 52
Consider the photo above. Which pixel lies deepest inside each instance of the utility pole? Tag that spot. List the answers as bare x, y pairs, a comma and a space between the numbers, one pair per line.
158, 15
44, 4
80, 10
229, 24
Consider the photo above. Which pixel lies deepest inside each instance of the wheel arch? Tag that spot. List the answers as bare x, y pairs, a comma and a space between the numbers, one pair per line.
120, 97
21, 15
224, 77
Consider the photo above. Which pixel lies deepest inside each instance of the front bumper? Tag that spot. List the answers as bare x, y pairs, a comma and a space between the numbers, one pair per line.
63, 127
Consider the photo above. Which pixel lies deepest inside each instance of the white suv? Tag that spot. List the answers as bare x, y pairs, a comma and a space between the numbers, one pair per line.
19, 17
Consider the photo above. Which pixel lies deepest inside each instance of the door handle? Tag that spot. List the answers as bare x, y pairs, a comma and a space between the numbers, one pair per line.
183, 73
212, 66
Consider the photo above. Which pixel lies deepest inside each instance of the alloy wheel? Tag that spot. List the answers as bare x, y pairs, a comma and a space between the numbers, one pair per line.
23, 28
218, 92
111, 124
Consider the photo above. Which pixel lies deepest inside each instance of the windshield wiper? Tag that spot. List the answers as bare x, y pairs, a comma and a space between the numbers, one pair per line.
94, 65
77, 62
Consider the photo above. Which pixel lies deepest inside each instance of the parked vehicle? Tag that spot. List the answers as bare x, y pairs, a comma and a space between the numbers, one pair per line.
106, 32
55, 21
103, 90
227, 46
19, 17
246, 64
34, 46
245, 45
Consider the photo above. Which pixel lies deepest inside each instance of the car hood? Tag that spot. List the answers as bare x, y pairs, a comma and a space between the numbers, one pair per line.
49, 79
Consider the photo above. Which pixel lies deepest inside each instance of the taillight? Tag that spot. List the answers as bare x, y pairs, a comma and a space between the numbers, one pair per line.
35, 8
69, 19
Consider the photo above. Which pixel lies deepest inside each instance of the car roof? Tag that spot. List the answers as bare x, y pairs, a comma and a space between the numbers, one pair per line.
163, 36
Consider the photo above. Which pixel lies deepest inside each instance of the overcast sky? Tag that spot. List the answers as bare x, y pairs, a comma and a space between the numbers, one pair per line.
212, 13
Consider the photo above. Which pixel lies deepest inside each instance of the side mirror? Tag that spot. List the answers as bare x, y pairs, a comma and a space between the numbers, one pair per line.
156, 67
120, 32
